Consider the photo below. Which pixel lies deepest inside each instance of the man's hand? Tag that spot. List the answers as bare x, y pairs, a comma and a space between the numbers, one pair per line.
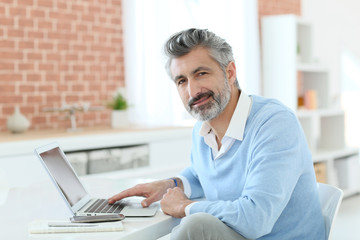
174, 202
153, 192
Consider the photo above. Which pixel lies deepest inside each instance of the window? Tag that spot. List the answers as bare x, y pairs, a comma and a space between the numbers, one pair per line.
148, 24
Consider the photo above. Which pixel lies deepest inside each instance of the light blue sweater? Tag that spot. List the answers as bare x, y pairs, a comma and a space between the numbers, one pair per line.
264, 187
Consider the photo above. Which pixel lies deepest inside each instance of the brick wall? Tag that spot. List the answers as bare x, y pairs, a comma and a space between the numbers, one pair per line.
59, 51
273, 7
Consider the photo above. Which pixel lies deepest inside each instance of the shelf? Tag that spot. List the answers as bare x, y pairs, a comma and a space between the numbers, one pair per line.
308, 67
331, 112
322, 155
291, 75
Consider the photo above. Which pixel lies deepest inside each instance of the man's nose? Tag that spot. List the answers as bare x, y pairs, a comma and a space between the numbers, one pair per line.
193, 88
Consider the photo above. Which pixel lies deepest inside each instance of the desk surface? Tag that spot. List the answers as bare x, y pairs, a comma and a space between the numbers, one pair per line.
42, 201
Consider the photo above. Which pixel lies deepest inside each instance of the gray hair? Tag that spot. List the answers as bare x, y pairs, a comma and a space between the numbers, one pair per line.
183, 42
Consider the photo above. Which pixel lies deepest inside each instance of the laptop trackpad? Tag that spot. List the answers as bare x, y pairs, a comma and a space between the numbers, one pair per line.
136, 210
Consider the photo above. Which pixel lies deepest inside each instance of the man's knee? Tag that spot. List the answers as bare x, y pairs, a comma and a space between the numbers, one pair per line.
198, 220
194, 225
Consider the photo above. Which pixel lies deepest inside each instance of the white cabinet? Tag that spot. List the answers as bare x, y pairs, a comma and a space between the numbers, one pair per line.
291, 75
168, 151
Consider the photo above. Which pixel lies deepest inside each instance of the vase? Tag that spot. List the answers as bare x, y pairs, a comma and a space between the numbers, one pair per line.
17, 123
119, 119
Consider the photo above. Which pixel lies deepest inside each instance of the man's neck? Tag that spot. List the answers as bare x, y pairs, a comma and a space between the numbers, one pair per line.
220, 124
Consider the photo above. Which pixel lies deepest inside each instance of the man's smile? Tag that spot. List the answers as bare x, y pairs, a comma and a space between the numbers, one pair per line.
201, 99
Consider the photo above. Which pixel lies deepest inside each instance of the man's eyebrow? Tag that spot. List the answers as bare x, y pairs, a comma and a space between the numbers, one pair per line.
201, 68
198, 69
178, 77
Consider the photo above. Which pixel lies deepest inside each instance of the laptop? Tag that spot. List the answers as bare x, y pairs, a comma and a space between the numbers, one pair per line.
73, 192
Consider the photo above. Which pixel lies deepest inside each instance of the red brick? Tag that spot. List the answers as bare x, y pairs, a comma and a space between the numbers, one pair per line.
70, 77
88, 18
38, 120
16, 33
52, 77
26, 44
71, 98
7, 43
26, 88
45, 25
60, 26
26, 66
7, 66
89, 58
26, 2
33, 77
80, 27
62, 16
17, 11
88, 38
71, 57
78, 68
45, 45
10, 77
11, 99
37, 13
35, 34
79, 47
45, 3
53, 57
34, 56
7, 88
62, 87
89, 78
78, 88
53, 99
46, 88
27, 110
35, 99
46, 67
26, 23
62, 5
63, 46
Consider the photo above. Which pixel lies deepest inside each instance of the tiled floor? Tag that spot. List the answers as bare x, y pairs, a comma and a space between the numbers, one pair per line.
347, 222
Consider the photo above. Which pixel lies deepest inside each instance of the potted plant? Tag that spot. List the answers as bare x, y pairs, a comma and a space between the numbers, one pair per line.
119, 115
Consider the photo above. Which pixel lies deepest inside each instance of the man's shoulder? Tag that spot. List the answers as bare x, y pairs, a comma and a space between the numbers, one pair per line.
268, 105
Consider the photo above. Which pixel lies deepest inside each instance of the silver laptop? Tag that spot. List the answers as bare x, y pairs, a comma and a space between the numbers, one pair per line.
73, 192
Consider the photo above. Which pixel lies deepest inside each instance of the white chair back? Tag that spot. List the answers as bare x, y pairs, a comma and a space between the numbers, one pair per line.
330, 200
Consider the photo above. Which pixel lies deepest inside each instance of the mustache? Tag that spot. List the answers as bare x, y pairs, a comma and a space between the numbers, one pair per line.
201, 95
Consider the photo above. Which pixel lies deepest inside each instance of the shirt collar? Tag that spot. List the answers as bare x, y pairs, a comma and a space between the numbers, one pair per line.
236, 127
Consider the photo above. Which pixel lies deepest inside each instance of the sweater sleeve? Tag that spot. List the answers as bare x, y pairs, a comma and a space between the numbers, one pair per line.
273, 173
191, 177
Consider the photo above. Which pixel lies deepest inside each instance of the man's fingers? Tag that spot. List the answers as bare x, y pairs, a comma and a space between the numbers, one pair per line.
126, 193
147, 201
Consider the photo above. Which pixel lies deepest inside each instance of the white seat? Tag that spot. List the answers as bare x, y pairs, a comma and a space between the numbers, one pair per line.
330, 200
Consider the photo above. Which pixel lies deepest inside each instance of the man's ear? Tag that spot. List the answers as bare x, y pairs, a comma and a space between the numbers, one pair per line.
231, 72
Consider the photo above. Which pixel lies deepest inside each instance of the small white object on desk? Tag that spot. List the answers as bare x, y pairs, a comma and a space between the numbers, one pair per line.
44, 226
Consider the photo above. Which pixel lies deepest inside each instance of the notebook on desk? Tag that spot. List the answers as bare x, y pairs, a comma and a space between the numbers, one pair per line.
73, 192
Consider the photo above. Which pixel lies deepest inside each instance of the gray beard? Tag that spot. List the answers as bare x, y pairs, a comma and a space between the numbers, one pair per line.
213, 108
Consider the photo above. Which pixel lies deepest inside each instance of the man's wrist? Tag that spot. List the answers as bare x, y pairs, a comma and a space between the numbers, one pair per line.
175, 182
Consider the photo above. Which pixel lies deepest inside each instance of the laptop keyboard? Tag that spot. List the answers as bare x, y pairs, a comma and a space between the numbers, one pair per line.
102, 206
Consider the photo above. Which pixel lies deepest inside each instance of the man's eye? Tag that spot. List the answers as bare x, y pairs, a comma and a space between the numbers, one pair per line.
202, 73
181, 81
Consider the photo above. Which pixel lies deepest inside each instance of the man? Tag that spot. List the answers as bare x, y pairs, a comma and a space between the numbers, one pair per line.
249, 158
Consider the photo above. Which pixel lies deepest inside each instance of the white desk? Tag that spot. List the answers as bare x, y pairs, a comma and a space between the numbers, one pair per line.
42, 201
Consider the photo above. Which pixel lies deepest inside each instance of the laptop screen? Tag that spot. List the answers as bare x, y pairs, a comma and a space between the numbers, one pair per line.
64, 175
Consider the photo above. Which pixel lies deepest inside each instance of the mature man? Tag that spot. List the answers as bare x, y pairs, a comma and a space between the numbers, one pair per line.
249, 158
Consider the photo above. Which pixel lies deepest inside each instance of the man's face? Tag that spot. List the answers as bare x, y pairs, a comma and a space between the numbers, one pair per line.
201, 83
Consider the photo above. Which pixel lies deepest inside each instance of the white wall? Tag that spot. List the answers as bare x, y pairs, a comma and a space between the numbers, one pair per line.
336, 30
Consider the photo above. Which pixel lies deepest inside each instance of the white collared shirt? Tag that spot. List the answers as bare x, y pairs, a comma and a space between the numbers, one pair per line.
235, 129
